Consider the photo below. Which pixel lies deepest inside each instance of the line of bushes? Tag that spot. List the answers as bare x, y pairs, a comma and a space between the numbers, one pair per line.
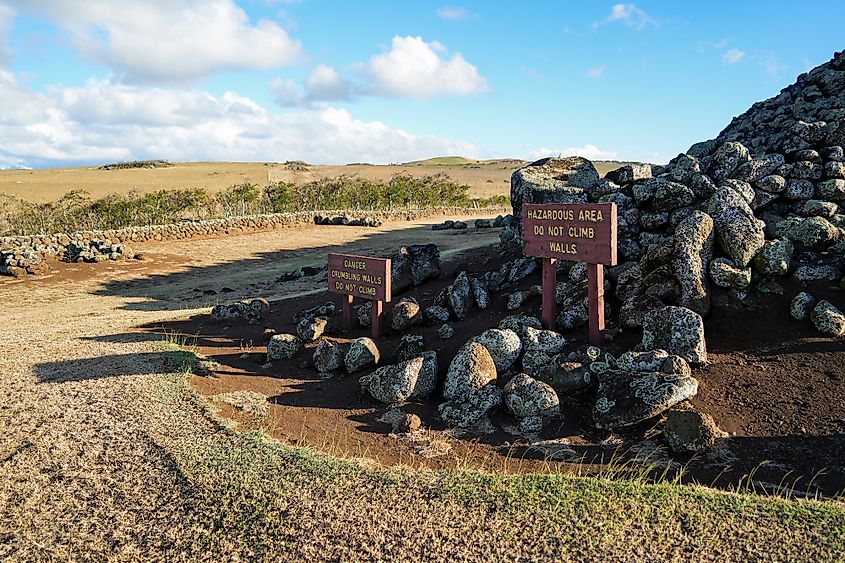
77, 211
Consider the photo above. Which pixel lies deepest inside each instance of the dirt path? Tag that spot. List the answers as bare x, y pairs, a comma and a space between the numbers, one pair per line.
80, 446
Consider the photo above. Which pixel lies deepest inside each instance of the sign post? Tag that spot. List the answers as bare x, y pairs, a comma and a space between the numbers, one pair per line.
360, 276
581, 232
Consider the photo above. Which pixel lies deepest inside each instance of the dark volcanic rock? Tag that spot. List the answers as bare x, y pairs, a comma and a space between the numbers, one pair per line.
413, 265
551, 180
625, 398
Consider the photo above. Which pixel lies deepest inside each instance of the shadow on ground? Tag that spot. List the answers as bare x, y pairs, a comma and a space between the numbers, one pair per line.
204, 286
87, 369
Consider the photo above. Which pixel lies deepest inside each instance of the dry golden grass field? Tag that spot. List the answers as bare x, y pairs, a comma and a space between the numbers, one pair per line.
486, 178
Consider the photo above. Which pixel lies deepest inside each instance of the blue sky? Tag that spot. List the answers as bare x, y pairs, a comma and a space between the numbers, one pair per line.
90, 81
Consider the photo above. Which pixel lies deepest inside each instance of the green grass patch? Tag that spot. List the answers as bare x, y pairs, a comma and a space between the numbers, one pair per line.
264, 497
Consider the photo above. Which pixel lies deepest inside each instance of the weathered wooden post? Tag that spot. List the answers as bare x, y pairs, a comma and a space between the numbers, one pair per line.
549, 283
360, 276
580, 232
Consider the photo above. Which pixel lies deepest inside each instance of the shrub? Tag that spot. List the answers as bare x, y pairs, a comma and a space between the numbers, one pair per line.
76, 211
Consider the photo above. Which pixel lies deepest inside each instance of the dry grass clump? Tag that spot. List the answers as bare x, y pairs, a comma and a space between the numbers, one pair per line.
249, 402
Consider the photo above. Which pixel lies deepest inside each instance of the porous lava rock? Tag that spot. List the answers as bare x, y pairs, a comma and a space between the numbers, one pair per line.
362, 353
328, 356
677, 330
551, 180
283, 346
828, 319
689, 431
625, 398
503, 345
253, 311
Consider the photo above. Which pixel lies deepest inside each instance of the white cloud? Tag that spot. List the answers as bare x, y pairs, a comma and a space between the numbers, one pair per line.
287, 92
169, 41
590, 152
596, 72
103, 121
629, 15
324, 84
733, 56
413, 68
452, 13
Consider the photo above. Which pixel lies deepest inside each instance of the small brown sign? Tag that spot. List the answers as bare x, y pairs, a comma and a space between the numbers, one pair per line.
581, 232
360, 276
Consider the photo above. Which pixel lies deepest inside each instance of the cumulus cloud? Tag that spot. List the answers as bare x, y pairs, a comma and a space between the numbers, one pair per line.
414, 68
596, 72
590, 152
287, 92
733, 56
629, 15
104, 121
324, 84
452, 13
169, 41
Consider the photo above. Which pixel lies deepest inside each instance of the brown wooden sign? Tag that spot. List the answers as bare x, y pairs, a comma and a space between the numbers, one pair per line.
582, 232
363, 277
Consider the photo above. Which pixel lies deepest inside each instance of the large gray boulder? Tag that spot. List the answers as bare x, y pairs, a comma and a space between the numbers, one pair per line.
406, 313
828, 319
328, 356
774, 258
362, 353
566, 377
525, 397
465, 412
551, 180
739, 232
629, 173
479, 293
545, 341
726, 274
693, 250
504, 346
470, 388
677, 330
758, 168
310, 330
283, 347
253, 311
392, 383
413, 265
471, 369
626, 398
460, 295
809, 233
801, 306
427, 377
727, 159
688, 431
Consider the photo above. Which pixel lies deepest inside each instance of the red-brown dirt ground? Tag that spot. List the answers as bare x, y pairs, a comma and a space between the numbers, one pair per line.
773, 384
